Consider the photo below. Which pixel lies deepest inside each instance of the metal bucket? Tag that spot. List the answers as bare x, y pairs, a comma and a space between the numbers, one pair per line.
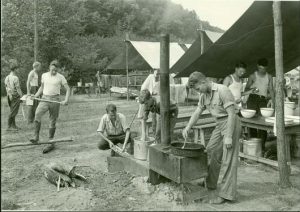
190, 149
141, 148
252, 147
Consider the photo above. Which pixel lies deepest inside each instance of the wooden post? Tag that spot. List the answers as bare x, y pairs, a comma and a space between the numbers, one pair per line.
35, 32
165, 90
279, 103
127, 72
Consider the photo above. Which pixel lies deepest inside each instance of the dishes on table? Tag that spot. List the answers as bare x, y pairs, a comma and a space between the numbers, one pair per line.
266, 112
296, 119
246, 113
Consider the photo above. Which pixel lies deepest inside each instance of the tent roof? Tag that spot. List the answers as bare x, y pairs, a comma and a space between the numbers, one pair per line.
193, 52
144, 56
250, 38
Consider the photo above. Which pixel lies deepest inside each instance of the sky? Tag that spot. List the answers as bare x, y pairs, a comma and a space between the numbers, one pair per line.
220, 13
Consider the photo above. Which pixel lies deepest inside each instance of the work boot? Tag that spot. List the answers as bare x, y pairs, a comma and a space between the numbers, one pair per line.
37, 127
9, 124
14, 126
50, 147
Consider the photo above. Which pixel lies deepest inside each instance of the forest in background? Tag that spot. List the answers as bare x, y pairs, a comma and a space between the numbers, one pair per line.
85, 35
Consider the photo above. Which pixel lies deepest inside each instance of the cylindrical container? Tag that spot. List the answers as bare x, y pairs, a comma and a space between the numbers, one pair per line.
79, 84
289, 108
252, 147
141, 148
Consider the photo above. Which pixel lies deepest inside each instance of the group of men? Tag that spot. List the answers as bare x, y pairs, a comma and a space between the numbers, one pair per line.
51, 83
220, 99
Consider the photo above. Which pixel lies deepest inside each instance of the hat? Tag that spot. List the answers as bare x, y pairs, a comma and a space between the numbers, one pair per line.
54, 63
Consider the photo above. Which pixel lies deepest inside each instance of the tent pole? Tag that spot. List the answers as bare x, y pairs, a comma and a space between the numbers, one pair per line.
35, 31
279, 105
165, 90
126, 43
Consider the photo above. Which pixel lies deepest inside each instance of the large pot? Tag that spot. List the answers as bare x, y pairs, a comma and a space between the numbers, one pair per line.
190, 149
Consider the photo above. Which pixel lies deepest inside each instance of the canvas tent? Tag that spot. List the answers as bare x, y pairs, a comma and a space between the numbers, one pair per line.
251, 37
144, 56
193, 52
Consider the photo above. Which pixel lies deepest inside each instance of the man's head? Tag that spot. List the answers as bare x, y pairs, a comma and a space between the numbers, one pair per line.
13, 64
36, 66
240, 68
54, 66
262, 65
111, 110
198, 81
156, 73
144, 96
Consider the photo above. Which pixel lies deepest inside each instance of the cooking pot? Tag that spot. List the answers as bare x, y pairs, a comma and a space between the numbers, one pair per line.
190, 149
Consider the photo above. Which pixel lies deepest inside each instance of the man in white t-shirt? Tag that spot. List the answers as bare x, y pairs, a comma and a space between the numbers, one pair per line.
32, 88
52, 81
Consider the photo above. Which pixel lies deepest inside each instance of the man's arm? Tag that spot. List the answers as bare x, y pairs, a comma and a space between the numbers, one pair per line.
28, 82
230, 126
127, 134
227, 81
40, 91
249, 82
67, 94
18, 87
193, 120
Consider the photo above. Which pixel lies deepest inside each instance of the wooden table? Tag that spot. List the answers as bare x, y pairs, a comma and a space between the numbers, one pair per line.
261, 124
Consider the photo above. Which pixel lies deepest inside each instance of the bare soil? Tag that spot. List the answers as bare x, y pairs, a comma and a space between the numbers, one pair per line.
24, 187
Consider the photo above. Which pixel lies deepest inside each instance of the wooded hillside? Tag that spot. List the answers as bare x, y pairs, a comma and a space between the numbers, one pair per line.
85, 35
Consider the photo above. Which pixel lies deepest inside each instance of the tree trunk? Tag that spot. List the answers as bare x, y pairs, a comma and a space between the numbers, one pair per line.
279, 105
35, 32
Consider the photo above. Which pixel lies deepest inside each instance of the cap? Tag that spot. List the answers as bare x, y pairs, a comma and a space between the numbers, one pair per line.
54, 63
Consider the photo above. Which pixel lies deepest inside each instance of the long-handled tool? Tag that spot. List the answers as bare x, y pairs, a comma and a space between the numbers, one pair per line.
115, 147
24, 98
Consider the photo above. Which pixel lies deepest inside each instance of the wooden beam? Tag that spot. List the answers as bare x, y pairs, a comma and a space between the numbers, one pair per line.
41, 143
279, 103
35, 32
127, 71
165, 90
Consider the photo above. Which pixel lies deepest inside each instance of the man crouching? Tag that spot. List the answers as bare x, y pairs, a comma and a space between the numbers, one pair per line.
114, 127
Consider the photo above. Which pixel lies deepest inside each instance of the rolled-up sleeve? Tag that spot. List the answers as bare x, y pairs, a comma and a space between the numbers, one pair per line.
101, 126
227, 97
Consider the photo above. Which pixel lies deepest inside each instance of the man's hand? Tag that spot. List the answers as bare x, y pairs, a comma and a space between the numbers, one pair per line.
124, 146
238, 101
185, 132
228, 142
270, 104
65, 102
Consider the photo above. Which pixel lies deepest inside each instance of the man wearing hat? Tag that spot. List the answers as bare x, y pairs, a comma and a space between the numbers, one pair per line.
50, 89
14, 94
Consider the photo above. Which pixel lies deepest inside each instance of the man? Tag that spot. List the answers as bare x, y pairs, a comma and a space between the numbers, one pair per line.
151, 83
50, 88
113, 126
99, 82
263, 81
32, 88
14, 94
224, 141
234, 81
152, 105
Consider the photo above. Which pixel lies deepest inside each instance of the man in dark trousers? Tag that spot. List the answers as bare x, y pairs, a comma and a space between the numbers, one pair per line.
263, 81
224, 141
52, 81
14, 94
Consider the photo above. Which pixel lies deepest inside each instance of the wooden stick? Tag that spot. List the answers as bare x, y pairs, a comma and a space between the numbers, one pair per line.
32, 144
58, 183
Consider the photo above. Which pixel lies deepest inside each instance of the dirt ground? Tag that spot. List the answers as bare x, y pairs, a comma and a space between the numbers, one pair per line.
24, 187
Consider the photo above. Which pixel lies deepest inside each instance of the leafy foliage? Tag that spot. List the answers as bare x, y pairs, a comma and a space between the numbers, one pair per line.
85, 35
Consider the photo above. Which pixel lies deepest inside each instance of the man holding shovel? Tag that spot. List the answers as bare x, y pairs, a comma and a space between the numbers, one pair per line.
113, 126
50, 88
32, 88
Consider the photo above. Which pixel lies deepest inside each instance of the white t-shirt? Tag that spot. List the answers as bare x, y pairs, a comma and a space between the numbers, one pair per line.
52, 83
151, 85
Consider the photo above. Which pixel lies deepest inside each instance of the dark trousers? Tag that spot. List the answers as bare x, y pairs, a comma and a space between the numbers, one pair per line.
104, 145
14, 104
32, 108
255, 102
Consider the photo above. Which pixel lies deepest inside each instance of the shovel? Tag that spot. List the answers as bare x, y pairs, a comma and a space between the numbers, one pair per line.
115, 147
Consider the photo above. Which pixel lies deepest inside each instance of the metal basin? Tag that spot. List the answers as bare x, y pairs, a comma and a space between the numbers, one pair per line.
190, 150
